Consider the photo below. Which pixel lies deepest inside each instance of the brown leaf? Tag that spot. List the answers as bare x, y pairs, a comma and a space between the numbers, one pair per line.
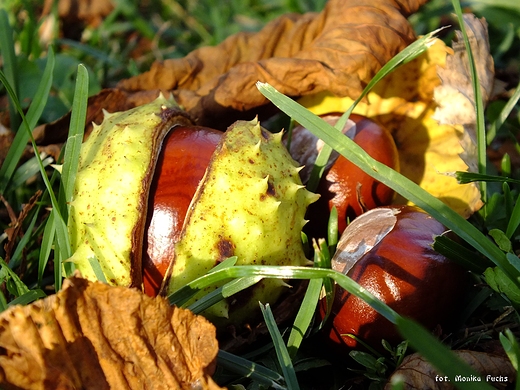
94, 336
337, 50
455, 97
456, 89
420, 374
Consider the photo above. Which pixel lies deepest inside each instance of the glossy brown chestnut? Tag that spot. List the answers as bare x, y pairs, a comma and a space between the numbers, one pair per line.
347, 187
388, 252
184, 157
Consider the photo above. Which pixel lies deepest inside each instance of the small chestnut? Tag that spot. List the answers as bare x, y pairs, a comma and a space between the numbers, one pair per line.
344, 185
388, 251
185, 154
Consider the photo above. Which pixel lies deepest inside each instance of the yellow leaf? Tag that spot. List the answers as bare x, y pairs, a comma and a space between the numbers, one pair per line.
403, 102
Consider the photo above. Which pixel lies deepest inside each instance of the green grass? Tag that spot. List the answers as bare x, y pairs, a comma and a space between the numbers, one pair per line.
42, 83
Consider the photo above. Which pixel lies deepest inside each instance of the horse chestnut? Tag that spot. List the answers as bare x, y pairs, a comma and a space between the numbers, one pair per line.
184, 157
344, 185
388, 251
158, 202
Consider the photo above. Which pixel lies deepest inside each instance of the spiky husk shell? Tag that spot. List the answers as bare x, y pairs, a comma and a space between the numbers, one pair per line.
251, 204
108, 208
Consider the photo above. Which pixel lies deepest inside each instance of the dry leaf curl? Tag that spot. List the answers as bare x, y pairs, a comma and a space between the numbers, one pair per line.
93, 336
455, 96
339, 49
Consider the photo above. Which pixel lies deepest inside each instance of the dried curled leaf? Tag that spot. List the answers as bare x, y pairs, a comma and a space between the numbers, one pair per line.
93, 336
417, 373
456, 89
407, 103
339, 50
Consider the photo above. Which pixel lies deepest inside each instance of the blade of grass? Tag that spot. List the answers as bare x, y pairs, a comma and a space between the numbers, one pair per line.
49, 231
508, 198
9, 64
505, 165
184, 294
506, 111
58, 270
37, 105
406, 55
248, 369
30, 120
514, 220
281, 351
222, 292
28, 297
68, 173
100, 276
513, 259
27, 170
512, 349
325, 262
440, 356
470, 177
460, 254
479, 103
3, 302
399, 183
332, 230
474, 303
258, 352
507, 4
307, 309
13, 282
229, 262
46, 247
99, 55
304, 317
16, 258
74, 140
287, 272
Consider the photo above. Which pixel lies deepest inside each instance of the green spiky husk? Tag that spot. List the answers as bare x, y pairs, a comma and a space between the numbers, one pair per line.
251, 204
108, 208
